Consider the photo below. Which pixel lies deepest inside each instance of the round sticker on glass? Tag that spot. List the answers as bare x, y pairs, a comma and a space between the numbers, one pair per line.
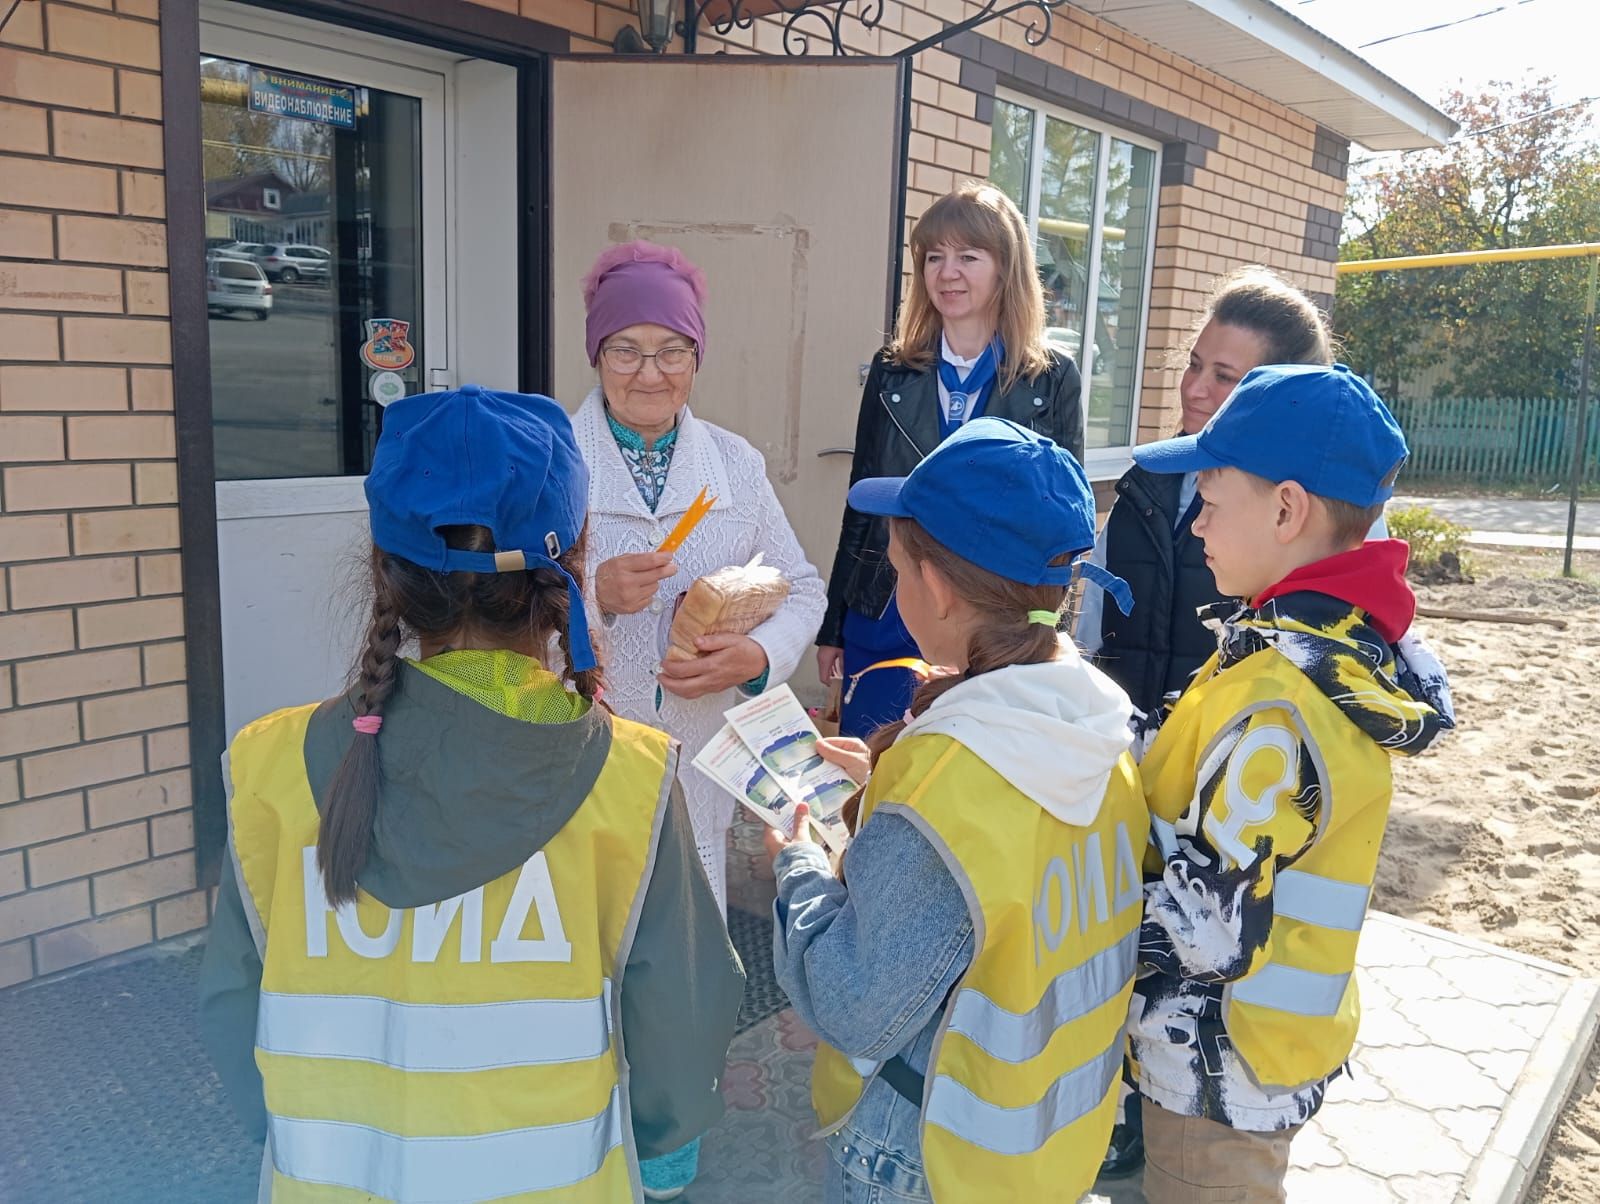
386, 387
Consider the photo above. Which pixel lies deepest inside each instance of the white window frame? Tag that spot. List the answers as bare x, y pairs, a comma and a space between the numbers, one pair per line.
1101, 463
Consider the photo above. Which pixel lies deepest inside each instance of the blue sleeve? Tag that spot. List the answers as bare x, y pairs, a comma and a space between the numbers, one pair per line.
868, 965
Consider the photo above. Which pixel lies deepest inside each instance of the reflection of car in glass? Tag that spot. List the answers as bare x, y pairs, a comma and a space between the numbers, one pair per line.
229, 248
1065, 340
290, 262
237, 286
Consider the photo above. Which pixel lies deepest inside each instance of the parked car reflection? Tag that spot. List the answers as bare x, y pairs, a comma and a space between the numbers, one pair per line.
237, 286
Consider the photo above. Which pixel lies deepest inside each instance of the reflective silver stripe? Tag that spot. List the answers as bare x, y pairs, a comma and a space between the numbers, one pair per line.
426, 1036
425, 1169
1023, 1130
1326, 902
1018, 1036
1291, 989
1164, 836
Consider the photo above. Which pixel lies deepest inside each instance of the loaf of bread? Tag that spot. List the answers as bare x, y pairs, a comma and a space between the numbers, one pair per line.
736, 599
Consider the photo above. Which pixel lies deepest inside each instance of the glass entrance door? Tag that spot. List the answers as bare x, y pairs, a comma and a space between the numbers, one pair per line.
315, 265
328, 226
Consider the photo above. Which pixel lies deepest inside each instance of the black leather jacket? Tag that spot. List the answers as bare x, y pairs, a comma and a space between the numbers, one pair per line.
897, 427
1155, 651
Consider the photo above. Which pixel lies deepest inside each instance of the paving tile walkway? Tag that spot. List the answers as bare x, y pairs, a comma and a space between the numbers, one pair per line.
1466, 1055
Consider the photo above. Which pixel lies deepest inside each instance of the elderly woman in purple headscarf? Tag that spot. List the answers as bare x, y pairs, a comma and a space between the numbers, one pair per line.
649, 457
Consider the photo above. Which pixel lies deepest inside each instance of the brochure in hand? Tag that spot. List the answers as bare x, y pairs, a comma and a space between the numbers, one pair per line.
766, 757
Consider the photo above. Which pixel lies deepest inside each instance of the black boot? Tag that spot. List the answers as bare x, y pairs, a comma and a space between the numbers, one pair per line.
1125, 1154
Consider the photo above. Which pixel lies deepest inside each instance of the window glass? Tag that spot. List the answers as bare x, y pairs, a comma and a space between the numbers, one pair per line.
1066, 203
330, 209
1011, 150
236, 269
1124, 243
1094, 217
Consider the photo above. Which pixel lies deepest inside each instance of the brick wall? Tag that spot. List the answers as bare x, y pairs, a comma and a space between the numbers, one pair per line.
96, 834
592, 23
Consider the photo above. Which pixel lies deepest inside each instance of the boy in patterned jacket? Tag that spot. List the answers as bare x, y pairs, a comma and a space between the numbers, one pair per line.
1269, 783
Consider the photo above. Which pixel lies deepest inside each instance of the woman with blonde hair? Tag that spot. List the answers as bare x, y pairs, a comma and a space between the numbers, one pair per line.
969, 341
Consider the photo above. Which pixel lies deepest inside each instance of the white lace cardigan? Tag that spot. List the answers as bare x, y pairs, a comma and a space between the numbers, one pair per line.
746, 519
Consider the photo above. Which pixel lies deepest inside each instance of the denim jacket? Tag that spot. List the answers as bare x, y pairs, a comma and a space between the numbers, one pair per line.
870, 966
871, 969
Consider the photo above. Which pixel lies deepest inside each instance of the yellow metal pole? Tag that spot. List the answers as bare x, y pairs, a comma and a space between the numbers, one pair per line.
1401, 263
1581, 423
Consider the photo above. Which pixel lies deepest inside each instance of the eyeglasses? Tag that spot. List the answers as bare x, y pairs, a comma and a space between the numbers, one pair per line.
625, 361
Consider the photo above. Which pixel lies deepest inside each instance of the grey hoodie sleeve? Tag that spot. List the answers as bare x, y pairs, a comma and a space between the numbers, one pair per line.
680, 995
230, 990
868, 965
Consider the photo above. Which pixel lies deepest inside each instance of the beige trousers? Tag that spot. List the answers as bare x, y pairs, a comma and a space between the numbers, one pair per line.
1191, 1160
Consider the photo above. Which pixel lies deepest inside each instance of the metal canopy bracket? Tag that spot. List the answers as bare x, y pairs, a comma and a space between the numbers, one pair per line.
830, 19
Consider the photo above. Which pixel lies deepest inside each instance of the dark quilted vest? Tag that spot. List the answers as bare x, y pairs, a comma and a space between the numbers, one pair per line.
1155, 650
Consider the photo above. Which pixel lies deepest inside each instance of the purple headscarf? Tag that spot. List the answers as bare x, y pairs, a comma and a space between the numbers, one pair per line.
643, 282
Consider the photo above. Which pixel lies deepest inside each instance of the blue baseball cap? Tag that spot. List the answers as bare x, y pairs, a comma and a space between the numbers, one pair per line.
479, 457
1005, 498
1322, 427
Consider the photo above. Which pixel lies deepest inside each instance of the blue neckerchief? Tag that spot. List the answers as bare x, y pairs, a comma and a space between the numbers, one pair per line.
968, 397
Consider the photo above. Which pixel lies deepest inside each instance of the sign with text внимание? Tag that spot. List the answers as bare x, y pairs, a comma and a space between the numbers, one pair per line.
283, 95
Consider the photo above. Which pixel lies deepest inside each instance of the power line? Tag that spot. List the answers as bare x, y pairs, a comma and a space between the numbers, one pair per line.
1488, 12
1488, 129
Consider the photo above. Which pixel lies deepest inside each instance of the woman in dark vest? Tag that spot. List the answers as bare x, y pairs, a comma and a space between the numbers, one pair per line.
1253, 317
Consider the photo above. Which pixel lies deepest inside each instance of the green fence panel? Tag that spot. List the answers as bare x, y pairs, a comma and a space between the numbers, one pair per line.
1524, 442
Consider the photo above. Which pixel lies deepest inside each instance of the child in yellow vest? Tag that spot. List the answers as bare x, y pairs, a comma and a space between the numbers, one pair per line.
1269, 783
969, 970
464, 948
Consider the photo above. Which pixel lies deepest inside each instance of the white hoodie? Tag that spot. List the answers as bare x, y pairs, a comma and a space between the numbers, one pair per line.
1053, 730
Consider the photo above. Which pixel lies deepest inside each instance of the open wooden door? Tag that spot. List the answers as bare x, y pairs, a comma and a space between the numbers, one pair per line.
781, 179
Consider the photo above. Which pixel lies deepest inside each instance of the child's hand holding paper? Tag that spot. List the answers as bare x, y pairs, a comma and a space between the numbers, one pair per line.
776, 839
848, 753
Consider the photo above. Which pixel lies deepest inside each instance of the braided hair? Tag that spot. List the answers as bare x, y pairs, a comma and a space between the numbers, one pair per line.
409, 601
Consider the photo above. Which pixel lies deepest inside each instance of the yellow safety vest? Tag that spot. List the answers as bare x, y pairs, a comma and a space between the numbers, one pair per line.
1019, 1100
467, 1050
1293, 1018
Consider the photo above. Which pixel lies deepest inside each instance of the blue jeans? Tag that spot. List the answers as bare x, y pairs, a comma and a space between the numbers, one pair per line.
861, 1171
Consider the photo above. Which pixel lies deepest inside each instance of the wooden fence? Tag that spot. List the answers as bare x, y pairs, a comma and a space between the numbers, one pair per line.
1495, 441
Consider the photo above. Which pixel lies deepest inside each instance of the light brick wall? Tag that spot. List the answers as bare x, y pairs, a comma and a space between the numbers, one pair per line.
96, 834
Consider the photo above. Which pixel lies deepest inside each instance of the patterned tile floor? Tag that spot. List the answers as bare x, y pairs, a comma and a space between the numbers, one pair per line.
1466, 1055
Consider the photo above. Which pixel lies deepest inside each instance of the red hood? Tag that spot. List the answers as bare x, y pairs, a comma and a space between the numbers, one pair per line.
1372, 577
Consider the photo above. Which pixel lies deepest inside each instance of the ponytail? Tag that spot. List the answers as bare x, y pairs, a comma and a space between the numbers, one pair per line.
344, 838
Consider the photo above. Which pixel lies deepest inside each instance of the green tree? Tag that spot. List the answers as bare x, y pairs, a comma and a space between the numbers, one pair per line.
1523, 173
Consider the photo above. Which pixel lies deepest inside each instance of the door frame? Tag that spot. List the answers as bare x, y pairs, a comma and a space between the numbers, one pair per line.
472, 30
